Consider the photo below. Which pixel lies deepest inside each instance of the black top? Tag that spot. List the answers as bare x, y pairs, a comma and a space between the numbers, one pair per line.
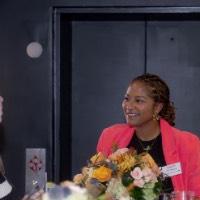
156, 152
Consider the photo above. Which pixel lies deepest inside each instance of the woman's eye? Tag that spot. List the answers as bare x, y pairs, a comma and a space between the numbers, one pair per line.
139, 100
126, 98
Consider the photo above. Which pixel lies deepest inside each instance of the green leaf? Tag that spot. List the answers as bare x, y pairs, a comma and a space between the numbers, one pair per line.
158, 187
101, 197
137, 193
126, 179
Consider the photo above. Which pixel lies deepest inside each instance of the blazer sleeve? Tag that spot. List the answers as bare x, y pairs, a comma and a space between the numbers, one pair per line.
115, 136
104, 142
194, 166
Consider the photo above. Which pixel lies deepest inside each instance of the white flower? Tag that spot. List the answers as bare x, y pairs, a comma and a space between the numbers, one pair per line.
149, 176
125, 198
118, 152
77, 193
117, 190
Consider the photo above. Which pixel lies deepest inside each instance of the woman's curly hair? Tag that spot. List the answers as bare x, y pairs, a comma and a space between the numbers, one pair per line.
159, 91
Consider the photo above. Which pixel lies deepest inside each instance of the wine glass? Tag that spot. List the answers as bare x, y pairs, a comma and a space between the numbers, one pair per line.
165, 196
182, 195
57, 193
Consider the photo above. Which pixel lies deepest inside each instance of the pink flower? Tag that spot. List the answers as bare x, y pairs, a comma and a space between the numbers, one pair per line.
136, 173
139, 183
1, 108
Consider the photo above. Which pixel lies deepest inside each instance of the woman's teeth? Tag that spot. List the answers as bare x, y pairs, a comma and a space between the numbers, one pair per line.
132, 114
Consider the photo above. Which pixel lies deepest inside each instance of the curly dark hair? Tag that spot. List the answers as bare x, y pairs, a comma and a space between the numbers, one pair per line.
159, 91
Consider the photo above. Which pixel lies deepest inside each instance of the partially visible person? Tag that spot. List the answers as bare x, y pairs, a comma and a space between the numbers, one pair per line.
149, 128
5, 187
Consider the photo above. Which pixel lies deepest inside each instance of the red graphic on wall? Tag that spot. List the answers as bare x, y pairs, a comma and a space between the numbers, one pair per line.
35, 164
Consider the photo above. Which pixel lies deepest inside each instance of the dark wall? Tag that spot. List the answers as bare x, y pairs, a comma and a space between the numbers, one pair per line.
26, 84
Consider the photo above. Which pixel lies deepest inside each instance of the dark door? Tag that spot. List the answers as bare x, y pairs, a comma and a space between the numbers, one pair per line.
106, 55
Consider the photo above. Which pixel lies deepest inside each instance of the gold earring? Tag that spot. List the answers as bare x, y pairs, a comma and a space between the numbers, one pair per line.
155, 116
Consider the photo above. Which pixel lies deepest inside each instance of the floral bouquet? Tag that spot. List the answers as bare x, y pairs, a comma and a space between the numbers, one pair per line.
124, 175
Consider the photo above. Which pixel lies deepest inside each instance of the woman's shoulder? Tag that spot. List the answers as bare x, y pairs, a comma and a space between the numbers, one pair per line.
185, 136
118, 134
116, 128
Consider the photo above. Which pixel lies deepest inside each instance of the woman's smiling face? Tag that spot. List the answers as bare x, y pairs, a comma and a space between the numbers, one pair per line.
138, 106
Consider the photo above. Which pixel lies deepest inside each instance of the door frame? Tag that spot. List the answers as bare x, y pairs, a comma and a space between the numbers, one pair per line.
61, 123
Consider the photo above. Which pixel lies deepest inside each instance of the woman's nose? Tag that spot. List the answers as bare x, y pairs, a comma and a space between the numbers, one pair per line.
127, 106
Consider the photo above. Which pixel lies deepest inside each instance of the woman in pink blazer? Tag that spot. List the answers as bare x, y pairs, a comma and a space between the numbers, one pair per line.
150, 117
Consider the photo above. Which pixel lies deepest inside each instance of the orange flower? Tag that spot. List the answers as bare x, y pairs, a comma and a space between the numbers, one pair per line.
124, 159
118, 153
102, 174
149, 162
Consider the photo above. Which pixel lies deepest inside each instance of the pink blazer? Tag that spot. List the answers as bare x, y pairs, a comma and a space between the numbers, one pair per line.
178, 146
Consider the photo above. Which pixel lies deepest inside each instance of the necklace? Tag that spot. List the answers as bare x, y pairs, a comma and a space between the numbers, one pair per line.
147, 147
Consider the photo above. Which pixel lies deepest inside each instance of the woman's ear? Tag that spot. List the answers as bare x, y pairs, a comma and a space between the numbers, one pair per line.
158, 107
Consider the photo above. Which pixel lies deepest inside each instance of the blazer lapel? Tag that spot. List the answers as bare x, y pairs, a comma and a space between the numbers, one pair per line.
170, 151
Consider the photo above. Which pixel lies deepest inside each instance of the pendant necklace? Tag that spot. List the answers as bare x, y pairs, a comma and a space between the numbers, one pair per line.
148, 147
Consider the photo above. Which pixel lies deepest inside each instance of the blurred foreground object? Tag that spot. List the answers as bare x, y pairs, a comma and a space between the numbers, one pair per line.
66, 191
5, 187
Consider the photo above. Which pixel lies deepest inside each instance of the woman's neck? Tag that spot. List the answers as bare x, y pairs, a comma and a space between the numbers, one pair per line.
148, 131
